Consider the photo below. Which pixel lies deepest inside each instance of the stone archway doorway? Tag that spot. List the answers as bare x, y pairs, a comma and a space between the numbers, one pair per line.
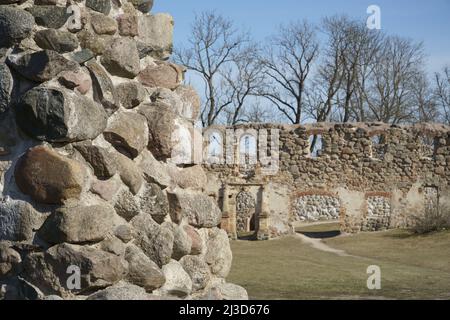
245, 214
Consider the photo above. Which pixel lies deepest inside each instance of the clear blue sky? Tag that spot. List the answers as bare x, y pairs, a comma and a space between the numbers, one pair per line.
427, 21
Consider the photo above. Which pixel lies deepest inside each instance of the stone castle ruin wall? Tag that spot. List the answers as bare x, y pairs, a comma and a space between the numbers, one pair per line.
366, 176
91, 204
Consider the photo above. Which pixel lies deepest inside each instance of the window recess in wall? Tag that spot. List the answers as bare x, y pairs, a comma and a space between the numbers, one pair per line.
428, 146
378, 149
315, 146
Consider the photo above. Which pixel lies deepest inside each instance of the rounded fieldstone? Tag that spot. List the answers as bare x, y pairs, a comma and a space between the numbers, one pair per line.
48, 177
15, 25
59, 115
49, 16
122, 58
128, 133
103, 24
80, 224
57, 40
40, 66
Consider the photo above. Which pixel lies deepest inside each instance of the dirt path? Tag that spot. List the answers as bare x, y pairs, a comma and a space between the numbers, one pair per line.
319, 245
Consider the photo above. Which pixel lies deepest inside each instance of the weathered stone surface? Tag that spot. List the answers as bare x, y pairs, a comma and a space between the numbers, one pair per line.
48, 271
82, 56
8, 134
9, 260
15, 25
142, 271
128, 133
189, 178
121, 291
218, 254
102, 6
182, 243
106, 189
163, 74
40, 66
103, 24
198, 271
161, 124
78, 80
99, 158
191, 102
6, 86
153, 201
59, 115
59, 178
129, 173
143, 5
178, 283
124, 232
79, 224
121, 58
156, 32
131, 94
104, 91
128, 25
90, 40
126, 205
196, 240
113, 245
18, 220
49, 16
199, 209
56, 40
230, 291
154, 171
156, 241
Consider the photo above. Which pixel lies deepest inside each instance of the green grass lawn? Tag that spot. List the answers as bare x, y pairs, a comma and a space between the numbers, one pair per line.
412, 267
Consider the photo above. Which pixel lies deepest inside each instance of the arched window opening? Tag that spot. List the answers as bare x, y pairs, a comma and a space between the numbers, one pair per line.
378, 147
428, 146
215, 148
316, 145
247, 150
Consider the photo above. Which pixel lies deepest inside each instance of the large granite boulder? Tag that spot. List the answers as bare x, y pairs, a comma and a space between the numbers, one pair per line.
18, 220
78, 224
40, 66
121, 58
156, 34
15, 25
197, 208
162, 74
50, 271
56, 40
142, 271
59, 178
59, 115
128, 133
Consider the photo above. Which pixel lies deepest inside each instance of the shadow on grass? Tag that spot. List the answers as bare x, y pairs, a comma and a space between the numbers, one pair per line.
409, 234
321, 234
247, 236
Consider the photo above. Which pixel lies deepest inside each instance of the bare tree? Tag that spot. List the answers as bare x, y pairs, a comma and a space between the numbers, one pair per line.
213, 45
424, 100
288, 62
390, 96
442, 92
242, 81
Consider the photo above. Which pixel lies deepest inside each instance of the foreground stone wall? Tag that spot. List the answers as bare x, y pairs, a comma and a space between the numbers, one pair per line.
91, 203
367, 176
